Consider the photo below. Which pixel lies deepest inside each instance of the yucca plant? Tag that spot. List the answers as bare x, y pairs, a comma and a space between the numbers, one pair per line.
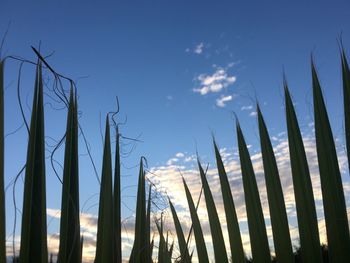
279, 221
69, 248
337, 225
304, 199
214, 222
104, 242
184, 255
33, 247
164, 254
148, 226
141, 245
257, 230
34, 234
236, 246
117, 248
346, 98
2, 191
197, 229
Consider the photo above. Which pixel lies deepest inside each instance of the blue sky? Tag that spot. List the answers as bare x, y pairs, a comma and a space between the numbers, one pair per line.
179, 68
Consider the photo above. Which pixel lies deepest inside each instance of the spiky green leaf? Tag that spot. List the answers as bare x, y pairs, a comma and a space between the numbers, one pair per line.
148, 226
256, 223
214, 222
33, 233
346, 98
117, 248
304, 199
104, 243
331, 184
2, 191
279, 221
139, 248
185, 257
69, 247
236, 246
198, 233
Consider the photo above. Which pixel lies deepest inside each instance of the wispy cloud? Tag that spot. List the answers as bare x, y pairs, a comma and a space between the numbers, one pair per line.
213, 83
199, 48
253, 114
249, 107
221, 102
179, 155
168, 178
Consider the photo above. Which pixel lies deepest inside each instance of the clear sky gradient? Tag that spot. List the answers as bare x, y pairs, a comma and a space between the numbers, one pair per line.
180, 70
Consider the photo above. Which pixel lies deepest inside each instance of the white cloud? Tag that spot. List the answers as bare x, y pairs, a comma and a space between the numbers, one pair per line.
249, 107
199, 48
221, 102
168, 178
253, 114
215, 82
172, 161
180, 155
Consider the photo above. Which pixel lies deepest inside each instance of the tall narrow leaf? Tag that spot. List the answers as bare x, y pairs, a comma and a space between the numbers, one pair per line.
2, 193
346, 98
237, 252
162, 244
33, 234
214, 222
148, 226
104, 243
198, 233
331, 184
139, 249
69, 248
256, 223
185, 256
117, 250
151, 250
304, 199
279, 221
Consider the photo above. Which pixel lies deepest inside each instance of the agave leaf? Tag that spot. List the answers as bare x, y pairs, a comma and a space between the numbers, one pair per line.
171, 249
304, 199
331, 184
33, 234
198, 233
237, 252
104, 243
151, 249
191, 256
166, 252
138, 252
117, 249
279, 221
214, 222
162, 244
2, 193
346, 95
185, 257
148, 226
81, 247
256, 223
69, 248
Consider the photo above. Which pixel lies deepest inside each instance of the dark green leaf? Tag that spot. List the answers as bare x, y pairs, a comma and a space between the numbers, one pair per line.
304, 199
256, 223
279, 221
237, 252
331, 184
